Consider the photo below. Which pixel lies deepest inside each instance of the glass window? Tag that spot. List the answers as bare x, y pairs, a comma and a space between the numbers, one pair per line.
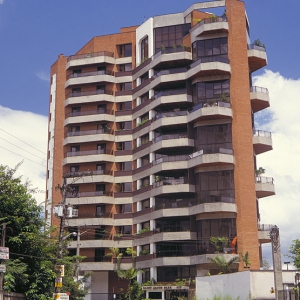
127, 50
144, 49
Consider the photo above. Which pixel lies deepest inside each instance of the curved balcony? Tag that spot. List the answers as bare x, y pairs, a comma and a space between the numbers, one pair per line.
89, 77
211, 157
95, 176
164, 77
210, 110
170, 56
90, 58
169, 118
257, 57
262, 141
172, 140
97, 197
93, 264
89, 116
209, 66
264, 233
89, 97
84, 136
88, 156
259, 98
211, 25
264, 186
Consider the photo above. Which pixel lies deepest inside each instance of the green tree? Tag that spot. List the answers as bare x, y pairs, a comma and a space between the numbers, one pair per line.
222, 264
33, 254
294, 250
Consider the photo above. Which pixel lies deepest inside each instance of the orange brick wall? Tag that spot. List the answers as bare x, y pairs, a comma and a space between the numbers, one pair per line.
245, 195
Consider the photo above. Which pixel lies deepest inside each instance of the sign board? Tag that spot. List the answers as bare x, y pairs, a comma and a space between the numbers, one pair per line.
61, 296
4, 249
4, 255
2, 268
164, 288
58, 282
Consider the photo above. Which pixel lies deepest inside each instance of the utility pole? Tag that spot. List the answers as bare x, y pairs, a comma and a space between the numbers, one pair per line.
2, 245
64, 189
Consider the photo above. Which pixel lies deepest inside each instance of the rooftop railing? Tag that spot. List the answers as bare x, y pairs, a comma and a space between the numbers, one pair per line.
213, 19
256, 47
263, 179
262, 133
92, 54
259, 89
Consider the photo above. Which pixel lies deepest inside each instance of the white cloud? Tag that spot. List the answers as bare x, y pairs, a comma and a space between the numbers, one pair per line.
283, 163
32, 129
43, 75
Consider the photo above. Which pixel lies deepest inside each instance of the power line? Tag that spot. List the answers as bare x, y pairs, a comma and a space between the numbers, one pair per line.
23, 157
23, 149
22, 141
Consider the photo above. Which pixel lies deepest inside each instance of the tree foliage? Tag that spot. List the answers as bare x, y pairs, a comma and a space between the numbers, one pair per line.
33, 254
295, 253
222, 264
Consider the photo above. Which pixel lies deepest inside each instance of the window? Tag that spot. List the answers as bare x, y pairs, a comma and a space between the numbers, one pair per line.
75, 128
124, 146
146, 275
103, 128
126, 166
100, 189
100, 211
100, 233
101, 70
100, 168
145, 139
75, 148
125, 67
126, 187
125, 208
167, 37
76, 110
145, 204
125, 125
125, 50
126, 105
215, 186
74, 169
145, 182
127, 229
101, 148
144, 97
99, 254
145, 160
101, 108
100, 89
144, 49
76, 90
126, 86
210, 50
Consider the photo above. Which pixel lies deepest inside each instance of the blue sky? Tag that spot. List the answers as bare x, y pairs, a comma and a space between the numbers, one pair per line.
34, 32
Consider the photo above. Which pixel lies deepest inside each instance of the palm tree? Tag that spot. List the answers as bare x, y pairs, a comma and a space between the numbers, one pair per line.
245, 258
115, 253
222, 264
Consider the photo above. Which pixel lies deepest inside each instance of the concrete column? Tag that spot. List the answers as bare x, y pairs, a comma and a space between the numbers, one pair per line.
152, 199
138, 183
139, 278
152, 224
138, 101
153, 273
152, 248
138, 161
139, 206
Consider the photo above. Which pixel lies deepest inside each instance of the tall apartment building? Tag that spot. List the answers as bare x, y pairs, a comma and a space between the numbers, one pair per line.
162, 114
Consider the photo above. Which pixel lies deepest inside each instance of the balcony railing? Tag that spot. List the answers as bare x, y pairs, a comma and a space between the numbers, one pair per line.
170, 114
97, 259
209, 21
89, 93
88, 152
265, 227
87, 55
259, 89
172, 203
256, 47
263, 179
211, 151
170, 137
168, 50
88, 132
266, 134
211, 103
170, 181
86, 173
87, 113
169, 93
170, 159
217, 196
168, 72
89, 194
215, 58
86, 74
93, 215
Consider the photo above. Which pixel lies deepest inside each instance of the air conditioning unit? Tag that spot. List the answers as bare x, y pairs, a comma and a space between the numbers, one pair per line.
58, 210
72, 212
